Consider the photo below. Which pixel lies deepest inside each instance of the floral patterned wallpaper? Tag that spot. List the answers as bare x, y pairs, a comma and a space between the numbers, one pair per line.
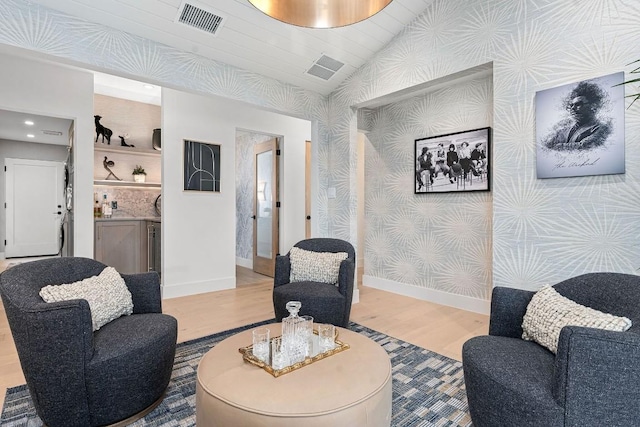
542, 230
439, 241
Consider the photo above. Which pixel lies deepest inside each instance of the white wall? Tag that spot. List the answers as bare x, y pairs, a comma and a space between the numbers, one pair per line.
199, 228
41, 88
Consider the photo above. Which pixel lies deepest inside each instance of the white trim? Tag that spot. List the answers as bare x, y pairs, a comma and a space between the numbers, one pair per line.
244, 262
463, 302
185, 289
2, 256
356, 296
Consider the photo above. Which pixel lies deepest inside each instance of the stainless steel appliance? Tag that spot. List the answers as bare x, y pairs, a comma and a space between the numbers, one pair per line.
154, 239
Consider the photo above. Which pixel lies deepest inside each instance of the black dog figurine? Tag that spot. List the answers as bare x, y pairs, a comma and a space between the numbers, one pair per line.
124, 143
101, 130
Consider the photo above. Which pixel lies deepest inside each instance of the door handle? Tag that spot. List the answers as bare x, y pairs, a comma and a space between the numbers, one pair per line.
253, 216
308, 217
59, 213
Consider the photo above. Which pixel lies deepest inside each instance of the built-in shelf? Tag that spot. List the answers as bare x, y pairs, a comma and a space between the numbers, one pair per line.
125, 150
114, 183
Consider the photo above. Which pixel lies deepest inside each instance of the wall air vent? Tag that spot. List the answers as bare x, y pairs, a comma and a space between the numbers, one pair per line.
325, 67
197, 16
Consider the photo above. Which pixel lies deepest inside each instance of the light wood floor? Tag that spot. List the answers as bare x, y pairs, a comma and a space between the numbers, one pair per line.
438, 328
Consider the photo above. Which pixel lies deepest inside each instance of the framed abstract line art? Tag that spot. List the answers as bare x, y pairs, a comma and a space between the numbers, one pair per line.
455, 162
201, 166
580, 128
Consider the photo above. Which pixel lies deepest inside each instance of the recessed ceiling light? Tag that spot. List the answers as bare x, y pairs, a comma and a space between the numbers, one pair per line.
147, 86
28, 123
30, 135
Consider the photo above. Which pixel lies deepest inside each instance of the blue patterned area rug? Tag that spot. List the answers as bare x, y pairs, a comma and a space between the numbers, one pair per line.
428, 388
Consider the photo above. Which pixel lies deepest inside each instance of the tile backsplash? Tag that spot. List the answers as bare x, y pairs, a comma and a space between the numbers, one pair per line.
132, 202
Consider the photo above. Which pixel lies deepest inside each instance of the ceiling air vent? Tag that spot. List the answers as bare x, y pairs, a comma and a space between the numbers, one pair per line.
199, 17
52, 132
325, 67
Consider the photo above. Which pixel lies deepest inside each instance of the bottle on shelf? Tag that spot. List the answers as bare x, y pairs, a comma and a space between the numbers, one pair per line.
106, 208
97, 210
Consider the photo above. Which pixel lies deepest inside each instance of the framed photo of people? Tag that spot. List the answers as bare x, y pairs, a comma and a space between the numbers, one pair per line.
580, 128
455, 162
201, 166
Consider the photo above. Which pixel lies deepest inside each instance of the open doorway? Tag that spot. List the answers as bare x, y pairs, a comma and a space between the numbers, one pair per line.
37, 185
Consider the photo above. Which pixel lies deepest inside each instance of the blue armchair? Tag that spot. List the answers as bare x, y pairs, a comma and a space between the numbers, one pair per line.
77, 377
591, 381
326, 302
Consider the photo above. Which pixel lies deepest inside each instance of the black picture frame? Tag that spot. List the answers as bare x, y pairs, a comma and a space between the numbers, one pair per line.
201, 166
437, 171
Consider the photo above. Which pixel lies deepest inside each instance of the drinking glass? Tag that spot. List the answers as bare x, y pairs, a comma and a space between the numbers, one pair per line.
326, 337
306, 334
279, 354
261, 344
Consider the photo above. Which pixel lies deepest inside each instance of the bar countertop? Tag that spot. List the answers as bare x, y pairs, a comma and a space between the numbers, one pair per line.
130, 218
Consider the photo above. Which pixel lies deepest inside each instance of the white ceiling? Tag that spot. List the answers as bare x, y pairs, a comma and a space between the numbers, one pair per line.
13, 128
249, 39
119, 87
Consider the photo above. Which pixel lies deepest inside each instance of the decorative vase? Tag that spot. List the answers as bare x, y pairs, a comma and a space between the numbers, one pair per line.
139, 177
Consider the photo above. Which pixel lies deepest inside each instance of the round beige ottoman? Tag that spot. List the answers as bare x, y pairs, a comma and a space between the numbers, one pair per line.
350, 388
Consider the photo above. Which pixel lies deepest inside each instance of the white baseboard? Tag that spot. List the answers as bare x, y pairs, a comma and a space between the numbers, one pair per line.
475, 305
244, 262
2, 255
185, 289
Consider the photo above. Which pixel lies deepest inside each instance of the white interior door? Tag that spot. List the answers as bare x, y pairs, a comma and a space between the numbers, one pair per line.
34, 207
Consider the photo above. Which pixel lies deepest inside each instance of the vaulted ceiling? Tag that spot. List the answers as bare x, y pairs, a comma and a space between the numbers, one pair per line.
246, 38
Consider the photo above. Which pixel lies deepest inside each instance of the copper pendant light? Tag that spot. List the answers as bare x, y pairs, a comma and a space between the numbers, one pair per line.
320, 13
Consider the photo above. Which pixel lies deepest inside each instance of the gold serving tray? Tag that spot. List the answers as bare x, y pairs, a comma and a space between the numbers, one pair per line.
247, 355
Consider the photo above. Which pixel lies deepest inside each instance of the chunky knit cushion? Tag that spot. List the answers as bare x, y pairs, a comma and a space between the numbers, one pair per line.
107, 295
548, 312
309, 266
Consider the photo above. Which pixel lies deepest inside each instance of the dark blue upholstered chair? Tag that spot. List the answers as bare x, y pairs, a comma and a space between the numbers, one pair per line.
78, 377
327, 303
592, 381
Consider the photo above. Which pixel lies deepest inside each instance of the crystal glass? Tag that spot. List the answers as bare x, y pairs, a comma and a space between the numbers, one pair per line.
291, 323
326, 337
261, 344
279, 354
292, 333
306, 334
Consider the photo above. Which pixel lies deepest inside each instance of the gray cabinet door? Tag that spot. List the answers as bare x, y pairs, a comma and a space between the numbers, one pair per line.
117, 244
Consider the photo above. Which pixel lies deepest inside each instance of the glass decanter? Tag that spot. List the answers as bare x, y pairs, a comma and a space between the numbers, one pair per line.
293, 333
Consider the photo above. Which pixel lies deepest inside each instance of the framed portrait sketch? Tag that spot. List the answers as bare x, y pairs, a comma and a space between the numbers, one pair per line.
580, 128
455, 162
201, 166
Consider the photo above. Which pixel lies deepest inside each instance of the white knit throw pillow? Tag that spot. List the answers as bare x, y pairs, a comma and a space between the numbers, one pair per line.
315, 266
548, 312
107, 295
